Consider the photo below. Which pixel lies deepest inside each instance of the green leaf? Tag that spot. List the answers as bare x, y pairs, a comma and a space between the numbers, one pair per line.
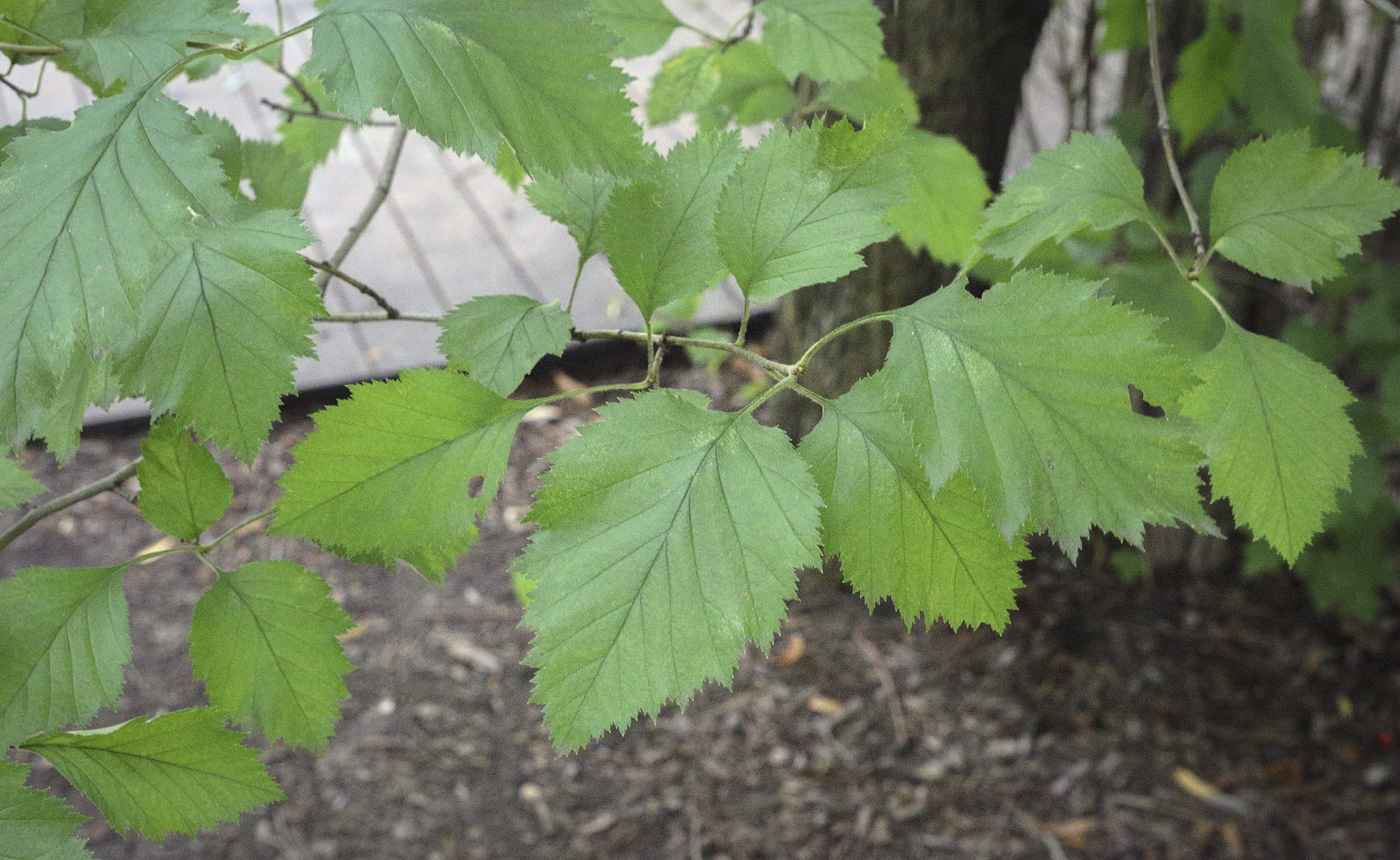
826, 40
1189, 322
402, 469
63, 642
1201, 90
641, 26
136, 41
220, 326
800, 207
1125, 25
1268, 76
945, 208
183, 490
865, 98
85, 215
668, 535
1277, 437
1026, 390
751, 89
577, 201
466, 73
278, 176
34, 825
499, 339
659, 232
1289, 211
311, 138
174, 773
10, 132
17, 484
936, 556
263, 640
685, 83
1090, 181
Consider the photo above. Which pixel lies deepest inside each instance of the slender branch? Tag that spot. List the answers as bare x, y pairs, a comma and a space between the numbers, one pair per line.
67, 500
235, 530
777, 369
1164, 128
390, 311
317, 113
33, 50
381, 193
373, 317
1386, 8
300, 87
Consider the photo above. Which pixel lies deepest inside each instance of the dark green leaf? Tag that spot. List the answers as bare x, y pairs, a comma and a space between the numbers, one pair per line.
263, 640
17, 484
63, 642
174, 773
466, 73
34, 825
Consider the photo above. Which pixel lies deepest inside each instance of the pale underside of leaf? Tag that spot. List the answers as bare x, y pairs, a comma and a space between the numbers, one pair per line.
669, 534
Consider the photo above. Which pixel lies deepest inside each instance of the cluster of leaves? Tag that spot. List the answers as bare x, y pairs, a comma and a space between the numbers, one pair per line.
669, 533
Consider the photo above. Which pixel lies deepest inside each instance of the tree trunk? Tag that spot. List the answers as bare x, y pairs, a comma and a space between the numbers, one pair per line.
965, 60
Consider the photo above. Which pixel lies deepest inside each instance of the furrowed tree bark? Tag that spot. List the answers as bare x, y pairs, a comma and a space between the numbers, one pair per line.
965, 60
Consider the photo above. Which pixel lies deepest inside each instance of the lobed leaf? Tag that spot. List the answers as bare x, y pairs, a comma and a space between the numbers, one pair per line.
263, 640
1290, 211
668, 535
577, 200
183, 490
1200, 91
401, 469
1273, 425
86, 214
685, 84
659, 232
174, 773
469, 73
945, 208
752, 90
63, 642
937, 556
35, 825
826, 40
1026, 390
220, 326
1088, 182
499, 339
800, 207
17, 484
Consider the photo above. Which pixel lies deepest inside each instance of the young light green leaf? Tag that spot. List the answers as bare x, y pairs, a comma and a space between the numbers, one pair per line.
1026, 390
863, 99
499, 339
63, 642
1090, 181
220, 327
1288, 210
641, 26
468, 73
1201, 91
668, 535
578, 201
183, 490
800, 207
1277, 437
945, 208
684, 85
35, 825
174, 773
17, 484
85, 213
751, 89
936, 556
402, 469
136, 41
310, 138
826, 40
263, 640
659, 232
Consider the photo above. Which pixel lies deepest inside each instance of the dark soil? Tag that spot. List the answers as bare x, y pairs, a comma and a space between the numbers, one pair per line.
1191, 716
